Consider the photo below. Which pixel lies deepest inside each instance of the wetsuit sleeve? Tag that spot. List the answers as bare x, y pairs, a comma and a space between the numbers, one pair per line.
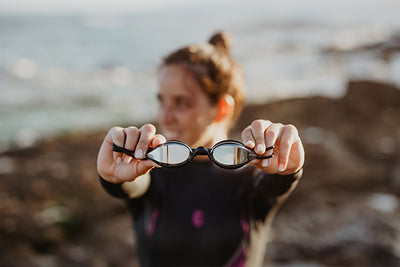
114, 190
134, 189
270, 191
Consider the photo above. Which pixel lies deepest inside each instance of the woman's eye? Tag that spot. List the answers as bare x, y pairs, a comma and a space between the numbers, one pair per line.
182, 103
160, 100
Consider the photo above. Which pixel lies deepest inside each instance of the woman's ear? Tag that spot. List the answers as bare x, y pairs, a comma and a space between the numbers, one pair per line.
226, 107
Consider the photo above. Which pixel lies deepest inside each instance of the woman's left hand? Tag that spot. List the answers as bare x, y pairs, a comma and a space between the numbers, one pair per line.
288, 152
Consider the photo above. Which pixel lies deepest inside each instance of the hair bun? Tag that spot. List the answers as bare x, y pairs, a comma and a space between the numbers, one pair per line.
221, 40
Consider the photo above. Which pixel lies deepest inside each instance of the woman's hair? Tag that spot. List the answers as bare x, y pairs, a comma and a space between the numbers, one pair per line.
213, 68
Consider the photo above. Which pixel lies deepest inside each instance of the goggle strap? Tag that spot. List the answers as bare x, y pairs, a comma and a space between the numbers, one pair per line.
265, 157
128, 152
269, 156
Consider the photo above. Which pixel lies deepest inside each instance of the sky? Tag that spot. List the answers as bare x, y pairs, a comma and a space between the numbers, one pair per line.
117, 6
67, 6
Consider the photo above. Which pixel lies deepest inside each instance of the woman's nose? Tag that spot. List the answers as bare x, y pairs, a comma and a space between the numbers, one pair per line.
166, 115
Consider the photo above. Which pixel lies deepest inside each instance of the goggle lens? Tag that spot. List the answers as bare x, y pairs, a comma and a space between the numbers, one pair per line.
170, 154
230, 155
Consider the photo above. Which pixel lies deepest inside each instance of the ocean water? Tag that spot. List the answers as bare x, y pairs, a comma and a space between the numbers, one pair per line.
80, 71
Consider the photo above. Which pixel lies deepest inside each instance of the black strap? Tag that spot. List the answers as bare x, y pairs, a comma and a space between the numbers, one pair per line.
123, 150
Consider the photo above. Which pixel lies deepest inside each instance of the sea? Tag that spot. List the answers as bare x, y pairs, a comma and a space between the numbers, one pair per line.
87, 70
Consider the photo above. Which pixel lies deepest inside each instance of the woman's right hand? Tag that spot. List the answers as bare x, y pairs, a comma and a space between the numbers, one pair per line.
117, 167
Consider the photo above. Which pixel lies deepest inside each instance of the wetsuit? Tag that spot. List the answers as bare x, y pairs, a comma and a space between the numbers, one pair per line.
203, 215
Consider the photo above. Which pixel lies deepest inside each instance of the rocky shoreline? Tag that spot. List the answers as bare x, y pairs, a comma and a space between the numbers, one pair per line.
345, 211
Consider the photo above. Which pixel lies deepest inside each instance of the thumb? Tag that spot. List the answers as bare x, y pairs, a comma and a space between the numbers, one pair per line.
144, 166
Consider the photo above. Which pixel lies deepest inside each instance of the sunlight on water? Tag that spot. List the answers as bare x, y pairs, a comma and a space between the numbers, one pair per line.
91, 70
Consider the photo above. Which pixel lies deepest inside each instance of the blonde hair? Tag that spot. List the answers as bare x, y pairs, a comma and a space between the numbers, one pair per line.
213, 68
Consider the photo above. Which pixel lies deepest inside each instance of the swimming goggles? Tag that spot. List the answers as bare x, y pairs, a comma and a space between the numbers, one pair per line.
228, 154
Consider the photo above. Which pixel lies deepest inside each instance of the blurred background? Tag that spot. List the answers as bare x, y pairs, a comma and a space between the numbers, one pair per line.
69, 70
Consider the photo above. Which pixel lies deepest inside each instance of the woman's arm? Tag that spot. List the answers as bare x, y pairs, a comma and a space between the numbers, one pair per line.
269, 192
277, 176
134, 189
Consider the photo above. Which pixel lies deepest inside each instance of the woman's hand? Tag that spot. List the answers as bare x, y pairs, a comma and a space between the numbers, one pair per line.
288, 152
118, 167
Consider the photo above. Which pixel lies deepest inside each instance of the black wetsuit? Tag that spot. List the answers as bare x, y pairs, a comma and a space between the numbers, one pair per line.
202, 215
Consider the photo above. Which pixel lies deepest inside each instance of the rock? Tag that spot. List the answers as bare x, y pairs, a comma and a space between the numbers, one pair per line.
385, 47
345, 211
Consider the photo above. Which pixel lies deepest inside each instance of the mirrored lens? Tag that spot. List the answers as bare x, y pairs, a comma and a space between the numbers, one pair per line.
170, 154
230, 154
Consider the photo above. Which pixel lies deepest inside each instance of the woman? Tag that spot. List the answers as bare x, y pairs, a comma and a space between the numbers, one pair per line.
200, 214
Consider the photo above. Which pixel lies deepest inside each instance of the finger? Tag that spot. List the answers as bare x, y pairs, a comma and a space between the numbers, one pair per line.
145, 166
128, 171
248, 138
157, 140
106, 157
258, 127
272, 134
147, 133
132, 136
285, 145
117, 136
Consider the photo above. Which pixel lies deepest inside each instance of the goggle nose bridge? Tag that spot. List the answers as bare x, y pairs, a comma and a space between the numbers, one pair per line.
201, 150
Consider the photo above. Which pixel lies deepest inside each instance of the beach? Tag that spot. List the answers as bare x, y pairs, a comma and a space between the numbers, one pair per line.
345, 211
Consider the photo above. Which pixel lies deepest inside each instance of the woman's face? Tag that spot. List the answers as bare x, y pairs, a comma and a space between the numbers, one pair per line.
185, 112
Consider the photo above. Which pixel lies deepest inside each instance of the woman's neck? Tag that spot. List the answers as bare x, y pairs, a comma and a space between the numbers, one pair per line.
212, 137
209, 142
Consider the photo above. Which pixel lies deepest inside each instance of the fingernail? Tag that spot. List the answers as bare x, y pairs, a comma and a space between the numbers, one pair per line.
265, 163
250, 144
139, 154
119, 159
281, 167
260, 148
156, 141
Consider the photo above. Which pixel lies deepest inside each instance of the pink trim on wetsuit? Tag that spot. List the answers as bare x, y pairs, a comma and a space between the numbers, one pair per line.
198, 218
153, 220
